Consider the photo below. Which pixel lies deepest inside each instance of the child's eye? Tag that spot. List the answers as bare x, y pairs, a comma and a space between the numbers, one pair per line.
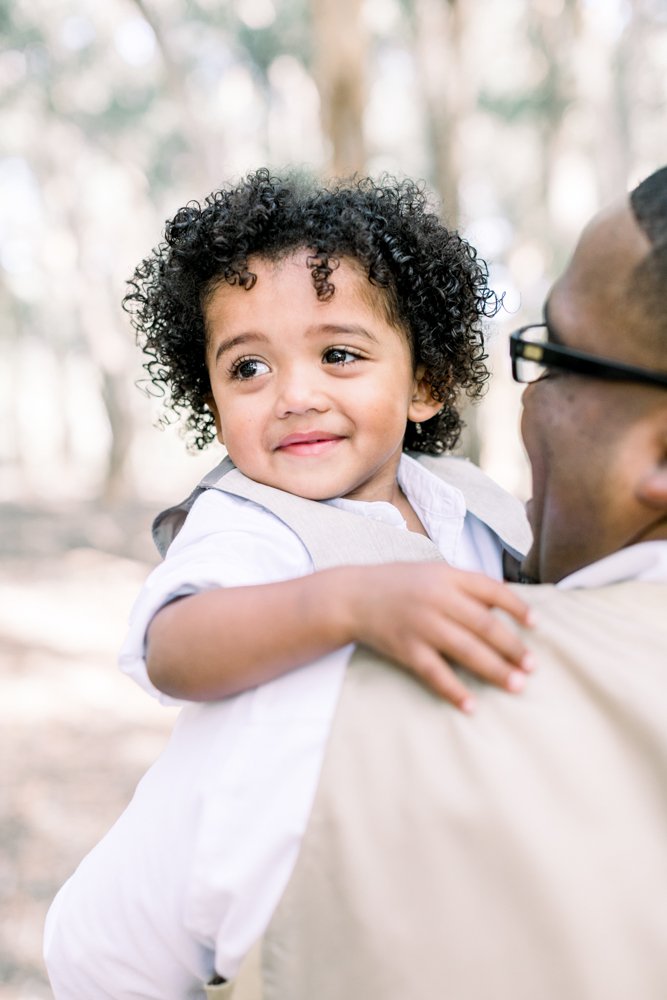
247, 368
339, 356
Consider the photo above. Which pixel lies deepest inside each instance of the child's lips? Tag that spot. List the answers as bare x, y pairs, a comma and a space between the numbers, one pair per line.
309, 443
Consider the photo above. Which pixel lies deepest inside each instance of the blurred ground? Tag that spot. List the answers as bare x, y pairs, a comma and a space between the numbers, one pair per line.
75, 735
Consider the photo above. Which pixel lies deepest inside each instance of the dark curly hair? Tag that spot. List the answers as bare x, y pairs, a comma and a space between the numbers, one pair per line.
434, 286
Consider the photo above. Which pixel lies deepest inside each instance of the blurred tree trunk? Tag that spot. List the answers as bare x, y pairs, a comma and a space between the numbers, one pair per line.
608, 141
205, 153
12, 455
339, 67
552, 29
603, 78
448, 90
108, 347
449, 94
114, 396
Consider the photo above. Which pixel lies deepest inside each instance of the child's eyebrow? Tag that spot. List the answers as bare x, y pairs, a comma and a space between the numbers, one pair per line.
241, 338
336, 329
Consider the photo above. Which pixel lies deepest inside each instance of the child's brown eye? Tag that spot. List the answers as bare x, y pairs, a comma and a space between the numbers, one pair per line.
339, 356
248, 368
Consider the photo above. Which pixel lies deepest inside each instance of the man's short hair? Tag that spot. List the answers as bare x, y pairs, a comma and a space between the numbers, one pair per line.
648, 202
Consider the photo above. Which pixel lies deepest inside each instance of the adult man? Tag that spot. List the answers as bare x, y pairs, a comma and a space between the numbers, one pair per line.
520, 853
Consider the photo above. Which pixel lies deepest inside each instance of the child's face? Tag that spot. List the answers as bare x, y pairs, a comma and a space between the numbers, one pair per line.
311, 397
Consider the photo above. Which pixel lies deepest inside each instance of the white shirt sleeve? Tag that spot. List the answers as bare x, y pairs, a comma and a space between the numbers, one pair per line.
116, 930
189, 875
226, 541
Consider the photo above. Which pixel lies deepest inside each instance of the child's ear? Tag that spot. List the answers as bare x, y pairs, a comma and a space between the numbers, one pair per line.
210, 402
423, 404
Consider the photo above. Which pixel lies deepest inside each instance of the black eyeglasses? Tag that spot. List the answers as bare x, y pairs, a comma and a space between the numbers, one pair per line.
532, 355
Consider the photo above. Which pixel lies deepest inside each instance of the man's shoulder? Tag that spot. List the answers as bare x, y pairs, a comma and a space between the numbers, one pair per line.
613, 594
630, 612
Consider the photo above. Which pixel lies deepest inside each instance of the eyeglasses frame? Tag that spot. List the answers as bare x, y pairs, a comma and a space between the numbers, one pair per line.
580, 362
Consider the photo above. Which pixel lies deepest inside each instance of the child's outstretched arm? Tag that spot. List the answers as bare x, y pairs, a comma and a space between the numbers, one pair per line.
223, 641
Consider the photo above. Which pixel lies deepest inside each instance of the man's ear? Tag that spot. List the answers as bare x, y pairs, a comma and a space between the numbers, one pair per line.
423, 404
210, 402
652, 487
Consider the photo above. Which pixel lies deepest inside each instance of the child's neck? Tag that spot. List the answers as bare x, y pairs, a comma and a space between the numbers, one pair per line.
394, 495
412, 521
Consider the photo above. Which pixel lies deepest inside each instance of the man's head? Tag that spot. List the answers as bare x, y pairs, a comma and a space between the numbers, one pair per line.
427, 281
598, 446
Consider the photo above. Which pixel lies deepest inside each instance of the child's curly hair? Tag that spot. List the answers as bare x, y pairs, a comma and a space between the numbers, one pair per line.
435, 287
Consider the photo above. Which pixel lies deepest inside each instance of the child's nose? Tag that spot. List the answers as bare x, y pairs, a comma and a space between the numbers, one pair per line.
298, 392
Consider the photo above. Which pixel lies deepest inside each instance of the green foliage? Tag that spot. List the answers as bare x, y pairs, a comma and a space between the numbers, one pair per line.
163, 168
532, 106
289, 34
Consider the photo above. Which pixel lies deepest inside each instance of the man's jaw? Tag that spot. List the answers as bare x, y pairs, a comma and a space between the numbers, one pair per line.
527, 572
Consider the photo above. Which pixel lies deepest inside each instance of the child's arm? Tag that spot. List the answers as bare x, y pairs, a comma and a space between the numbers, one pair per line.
219, 642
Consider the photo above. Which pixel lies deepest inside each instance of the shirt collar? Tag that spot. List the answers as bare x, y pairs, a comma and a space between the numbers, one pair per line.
439, 506
646, 562
377, 510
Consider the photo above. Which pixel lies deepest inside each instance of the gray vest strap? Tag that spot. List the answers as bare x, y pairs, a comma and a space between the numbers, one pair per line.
169, 522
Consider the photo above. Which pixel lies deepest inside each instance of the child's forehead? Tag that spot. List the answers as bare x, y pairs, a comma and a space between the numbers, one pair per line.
349, 276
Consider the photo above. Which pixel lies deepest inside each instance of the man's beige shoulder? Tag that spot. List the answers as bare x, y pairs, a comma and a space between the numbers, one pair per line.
539, 800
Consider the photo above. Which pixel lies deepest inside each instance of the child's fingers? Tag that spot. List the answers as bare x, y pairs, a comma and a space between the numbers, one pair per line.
496, 594
437, 675
490, 629
459, 643
501, 637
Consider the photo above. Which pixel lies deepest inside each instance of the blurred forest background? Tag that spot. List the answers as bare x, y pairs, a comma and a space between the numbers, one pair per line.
520, 117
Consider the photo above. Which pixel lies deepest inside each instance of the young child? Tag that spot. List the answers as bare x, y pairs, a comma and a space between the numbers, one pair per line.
321, 333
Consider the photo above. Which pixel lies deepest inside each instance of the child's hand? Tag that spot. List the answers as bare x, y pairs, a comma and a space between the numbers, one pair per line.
425, 614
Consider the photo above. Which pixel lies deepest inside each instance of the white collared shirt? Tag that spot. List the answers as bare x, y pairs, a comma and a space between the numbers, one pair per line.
646, 561
192, 871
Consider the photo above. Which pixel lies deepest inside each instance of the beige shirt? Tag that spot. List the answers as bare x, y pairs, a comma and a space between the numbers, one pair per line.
520, 855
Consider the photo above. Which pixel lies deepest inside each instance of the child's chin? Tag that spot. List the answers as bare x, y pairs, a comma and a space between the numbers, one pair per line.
307, 491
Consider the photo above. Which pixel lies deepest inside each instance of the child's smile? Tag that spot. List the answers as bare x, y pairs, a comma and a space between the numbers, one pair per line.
312, 443
310, 396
